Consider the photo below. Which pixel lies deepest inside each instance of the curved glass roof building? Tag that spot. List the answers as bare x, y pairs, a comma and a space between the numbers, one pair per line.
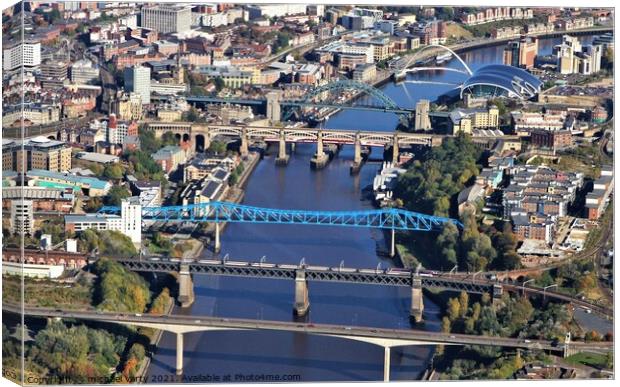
502, 81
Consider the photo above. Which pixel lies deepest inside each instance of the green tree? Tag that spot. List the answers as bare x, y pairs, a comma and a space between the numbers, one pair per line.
113, 171
464, 304
217, 147
169, 138
454, 308
219, 83
116, 194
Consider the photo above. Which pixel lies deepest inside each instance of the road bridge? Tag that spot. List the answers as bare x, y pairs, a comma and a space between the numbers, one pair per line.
386, 338
224, 212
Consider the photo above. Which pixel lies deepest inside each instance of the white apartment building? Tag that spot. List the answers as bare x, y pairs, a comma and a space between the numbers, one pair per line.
129, 222
166, 18
13, 58
22, 217
257, 11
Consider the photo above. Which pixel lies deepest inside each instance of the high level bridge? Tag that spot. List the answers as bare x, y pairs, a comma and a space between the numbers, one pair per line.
201, 135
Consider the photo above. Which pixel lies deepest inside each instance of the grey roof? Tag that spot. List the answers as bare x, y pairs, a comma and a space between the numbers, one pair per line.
512, 79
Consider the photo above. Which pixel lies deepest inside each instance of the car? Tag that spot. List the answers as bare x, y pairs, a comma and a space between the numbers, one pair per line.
347, 328
588, 311
138, 314
527, 341
452, 337
197, 321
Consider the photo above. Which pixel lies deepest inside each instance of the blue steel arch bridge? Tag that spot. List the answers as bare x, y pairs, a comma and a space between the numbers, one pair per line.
393, 219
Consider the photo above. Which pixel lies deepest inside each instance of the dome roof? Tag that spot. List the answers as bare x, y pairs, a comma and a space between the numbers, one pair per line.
514, 81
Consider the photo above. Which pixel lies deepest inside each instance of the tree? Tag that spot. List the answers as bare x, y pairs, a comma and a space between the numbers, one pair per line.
464, 304
219, 83
169, 138
454, 308
113, 171
217, 147
445, 324
116, 194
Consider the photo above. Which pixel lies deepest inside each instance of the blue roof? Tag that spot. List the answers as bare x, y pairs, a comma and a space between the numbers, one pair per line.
81, 180
513, 80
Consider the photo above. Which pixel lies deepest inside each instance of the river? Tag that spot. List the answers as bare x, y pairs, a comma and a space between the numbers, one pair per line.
296, 186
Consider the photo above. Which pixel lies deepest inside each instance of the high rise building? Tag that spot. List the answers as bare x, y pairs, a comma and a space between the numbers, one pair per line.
138, 80
13, 57
422, 119
22, 217
166, 18
521, 53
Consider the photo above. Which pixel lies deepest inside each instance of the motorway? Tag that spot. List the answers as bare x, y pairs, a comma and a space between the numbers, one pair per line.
413, 335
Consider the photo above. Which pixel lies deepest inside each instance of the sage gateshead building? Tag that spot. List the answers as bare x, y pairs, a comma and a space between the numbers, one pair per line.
501, 81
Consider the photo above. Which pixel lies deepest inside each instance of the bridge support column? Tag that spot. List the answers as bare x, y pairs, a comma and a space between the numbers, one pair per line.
282, 156
243, 148
386, 364
395, 150
417, 299
498, 291
186, 287
217, 247
302, 301
179, 353
357, 155
320, 159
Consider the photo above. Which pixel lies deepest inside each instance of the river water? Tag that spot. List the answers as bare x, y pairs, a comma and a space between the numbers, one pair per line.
296, 186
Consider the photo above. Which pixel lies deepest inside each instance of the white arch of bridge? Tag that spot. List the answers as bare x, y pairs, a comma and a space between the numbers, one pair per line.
443, 47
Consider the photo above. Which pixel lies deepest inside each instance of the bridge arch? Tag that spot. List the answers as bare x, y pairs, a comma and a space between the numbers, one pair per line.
469, 71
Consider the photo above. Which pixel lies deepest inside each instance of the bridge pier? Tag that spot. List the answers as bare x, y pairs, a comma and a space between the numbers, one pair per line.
302, 301
218, 244
186, 287
417, 299
357, 155
386, 364
395, 150
282, 158
179, 353
243, 148
320, 159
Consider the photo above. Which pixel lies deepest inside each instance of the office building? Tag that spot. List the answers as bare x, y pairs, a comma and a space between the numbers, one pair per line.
39, 153
22, 217
13, 57
166, 18
138, 80
83, 72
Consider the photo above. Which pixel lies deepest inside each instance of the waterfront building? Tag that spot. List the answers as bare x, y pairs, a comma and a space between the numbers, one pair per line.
366, 72
521, 53
502, 81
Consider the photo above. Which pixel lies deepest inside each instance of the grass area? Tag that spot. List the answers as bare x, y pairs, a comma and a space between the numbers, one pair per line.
45, 293
456, 31
589, 359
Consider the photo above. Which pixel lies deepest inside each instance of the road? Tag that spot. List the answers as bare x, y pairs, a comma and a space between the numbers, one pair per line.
321, 329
